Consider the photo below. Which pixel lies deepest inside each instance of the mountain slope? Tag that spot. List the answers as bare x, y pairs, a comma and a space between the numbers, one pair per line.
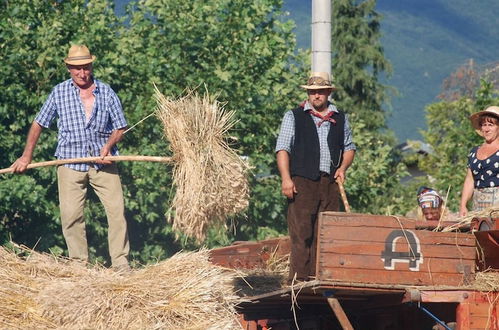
425, 41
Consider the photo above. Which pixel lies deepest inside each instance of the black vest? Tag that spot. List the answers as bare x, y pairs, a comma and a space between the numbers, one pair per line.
305, 152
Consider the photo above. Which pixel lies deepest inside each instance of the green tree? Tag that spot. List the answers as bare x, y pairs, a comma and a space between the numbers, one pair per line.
242, 51
34, 37
451, 137
358, 61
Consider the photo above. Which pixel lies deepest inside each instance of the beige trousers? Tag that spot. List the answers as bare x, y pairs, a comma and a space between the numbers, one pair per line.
72, 195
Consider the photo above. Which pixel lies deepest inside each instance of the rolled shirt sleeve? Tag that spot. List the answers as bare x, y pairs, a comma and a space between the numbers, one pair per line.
118, 120
348, 140
48, 112
286, 136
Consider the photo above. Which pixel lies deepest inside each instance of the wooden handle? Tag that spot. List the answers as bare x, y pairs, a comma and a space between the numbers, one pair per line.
94, 159
344, 197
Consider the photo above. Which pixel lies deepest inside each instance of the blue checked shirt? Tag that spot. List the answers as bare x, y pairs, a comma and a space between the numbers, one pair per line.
77, 137
287, 136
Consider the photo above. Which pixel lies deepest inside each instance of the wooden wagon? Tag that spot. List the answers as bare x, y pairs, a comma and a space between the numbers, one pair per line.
373, 272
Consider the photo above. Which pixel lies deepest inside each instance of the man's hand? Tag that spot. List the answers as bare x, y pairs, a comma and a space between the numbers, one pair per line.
105, 151
115, 137
288, 188
21, 164
339, 175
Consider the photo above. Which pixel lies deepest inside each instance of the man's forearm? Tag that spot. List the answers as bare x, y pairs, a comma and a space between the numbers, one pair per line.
33, 135
115, 137
348, 157
21, 164
283, 164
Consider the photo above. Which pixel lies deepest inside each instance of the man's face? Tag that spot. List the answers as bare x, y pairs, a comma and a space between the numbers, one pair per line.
431, 213
81, 74
318, 98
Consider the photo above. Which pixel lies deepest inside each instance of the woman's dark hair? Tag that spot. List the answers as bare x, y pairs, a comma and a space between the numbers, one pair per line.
488, 118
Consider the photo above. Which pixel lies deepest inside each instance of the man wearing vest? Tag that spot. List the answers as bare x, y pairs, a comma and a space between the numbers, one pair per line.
314, 149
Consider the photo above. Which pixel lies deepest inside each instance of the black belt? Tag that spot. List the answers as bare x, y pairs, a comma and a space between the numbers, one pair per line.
321, 173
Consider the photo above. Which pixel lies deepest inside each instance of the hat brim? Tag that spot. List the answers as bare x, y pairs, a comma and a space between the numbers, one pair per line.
318, 87
79, 61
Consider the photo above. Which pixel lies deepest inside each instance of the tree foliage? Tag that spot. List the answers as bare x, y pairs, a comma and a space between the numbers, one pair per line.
358, 61
243, 51
451, 137
34, 37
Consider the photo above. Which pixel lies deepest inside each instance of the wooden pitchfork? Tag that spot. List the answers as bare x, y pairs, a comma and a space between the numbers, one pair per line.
93, 159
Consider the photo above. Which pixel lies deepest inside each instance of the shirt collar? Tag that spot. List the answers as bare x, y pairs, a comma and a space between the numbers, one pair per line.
96, 82
331, 107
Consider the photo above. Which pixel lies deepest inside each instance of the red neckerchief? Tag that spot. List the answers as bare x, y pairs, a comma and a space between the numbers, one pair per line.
324, 118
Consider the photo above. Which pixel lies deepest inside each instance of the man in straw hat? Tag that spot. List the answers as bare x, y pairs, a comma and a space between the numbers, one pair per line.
482, 176
90, 123
314, 150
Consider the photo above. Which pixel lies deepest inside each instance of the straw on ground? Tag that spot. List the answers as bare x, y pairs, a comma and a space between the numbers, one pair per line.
184, 292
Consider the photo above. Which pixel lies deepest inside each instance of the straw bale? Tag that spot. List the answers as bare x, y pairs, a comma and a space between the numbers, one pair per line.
183, 292
209, 177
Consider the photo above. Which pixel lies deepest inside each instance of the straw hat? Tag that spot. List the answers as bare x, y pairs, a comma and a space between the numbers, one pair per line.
475, 118
318, 80
79, 55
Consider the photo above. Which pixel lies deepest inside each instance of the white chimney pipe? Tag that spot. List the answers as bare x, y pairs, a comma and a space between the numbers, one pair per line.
321, 36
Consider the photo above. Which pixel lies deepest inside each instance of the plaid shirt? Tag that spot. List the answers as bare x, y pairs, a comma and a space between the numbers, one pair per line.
77, 137
287, 136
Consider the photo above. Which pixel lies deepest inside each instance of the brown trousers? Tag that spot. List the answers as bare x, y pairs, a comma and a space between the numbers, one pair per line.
312, 197
72, 195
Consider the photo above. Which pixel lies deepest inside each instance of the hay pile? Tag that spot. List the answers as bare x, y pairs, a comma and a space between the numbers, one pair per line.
464, 222
209, 177
487, 281
184, 292
272, 276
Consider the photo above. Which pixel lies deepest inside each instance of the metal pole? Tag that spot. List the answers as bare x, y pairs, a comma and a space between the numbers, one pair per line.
321, 36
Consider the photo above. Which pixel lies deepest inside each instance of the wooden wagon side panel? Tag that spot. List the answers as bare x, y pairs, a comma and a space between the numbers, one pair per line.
389, 250
250, 255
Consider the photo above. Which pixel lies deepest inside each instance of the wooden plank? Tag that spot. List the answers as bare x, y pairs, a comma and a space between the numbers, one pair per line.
443, 296
483, 315
245, 262
340, 313
390, 277
338, 219
480, 309
249, 255
463, 315
480, 323
379, 234
370, 262
376, 249
248, 247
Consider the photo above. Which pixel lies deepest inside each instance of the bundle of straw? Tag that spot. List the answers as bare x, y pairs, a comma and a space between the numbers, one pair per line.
183, 292
464, 222
209, 177
487, 281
